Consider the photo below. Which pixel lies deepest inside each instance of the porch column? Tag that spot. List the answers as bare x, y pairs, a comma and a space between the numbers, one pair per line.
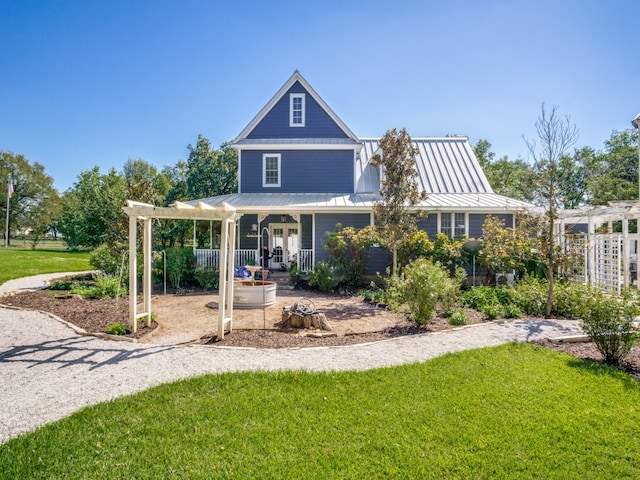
133, 287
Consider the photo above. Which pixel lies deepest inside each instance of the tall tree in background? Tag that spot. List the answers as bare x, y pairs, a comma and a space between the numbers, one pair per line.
613, 174
35, 202
509, 178
93, 210
395, 218
211, 172
556, 135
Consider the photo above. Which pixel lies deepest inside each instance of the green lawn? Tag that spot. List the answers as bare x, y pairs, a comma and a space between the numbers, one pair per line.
19, 262
515, 411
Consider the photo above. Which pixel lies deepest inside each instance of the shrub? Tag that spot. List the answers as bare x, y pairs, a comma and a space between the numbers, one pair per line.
394, 291
607, 320
530, 294
479, 297
457, 318
493, 311
350, 250
511, 311
106, 286
181, 265
427, 283
372, 294
107, 260
207, 277
117, 328
324, 276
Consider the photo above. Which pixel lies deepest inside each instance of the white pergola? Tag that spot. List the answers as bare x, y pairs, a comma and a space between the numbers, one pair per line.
145, 213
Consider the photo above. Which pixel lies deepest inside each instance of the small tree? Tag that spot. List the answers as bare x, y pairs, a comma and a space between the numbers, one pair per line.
395, 213
349, 248
556, 136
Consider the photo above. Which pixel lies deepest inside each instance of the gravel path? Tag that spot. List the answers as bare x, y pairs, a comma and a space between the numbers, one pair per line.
47, 371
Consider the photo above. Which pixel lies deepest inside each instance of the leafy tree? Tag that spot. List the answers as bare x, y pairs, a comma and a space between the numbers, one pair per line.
556, 135
613, 174
211, 172
35, 202
93, 210
509, 178
395, 220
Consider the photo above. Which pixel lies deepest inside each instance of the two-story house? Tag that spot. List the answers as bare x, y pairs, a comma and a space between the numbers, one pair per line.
302, 171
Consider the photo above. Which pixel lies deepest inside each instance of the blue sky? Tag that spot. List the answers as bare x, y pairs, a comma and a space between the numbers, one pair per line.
86, 82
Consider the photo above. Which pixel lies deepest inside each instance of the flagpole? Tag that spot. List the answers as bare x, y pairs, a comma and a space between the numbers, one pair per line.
6, 228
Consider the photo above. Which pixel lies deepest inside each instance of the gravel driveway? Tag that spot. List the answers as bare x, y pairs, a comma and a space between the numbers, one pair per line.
47, 371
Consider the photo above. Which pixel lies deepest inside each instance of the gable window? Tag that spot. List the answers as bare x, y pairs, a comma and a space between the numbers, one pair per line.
296, 110
271, 170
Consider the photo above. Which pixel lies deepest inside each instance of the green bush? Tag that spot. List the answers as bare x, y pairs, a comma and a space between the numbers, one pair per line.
372, 294
511, 311
181, 266
607, 320
107, 260
530, 294
478, 297
457, 318
207, 277
324, 276
106, 286
394, 291
493, 311
117, 328
426, 284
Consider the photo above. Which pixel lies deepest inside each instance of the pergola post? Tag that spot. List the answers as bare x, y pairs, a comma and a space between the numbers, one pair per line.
146, 279
133, 266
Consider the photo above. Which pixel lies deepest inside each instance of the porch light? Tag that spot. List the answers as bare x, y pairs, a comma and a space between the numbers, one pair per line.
254, 227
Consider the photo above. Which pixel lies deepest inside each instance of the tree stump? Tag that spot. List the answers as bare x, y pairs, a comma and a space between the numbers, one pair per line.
315, 320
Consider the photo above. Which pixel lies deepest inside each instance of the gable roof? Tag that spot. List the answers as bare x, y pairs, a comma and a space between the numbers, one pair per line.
296, 77
444, 165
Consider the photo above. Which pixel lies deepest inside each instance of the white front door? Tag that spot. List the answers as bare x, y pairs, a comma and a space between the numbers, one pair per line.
283, 244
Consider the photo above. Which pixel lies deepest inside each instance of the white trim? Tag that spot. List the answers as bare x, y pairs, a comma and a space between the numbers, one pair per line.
239, 171
292, 97
265, 156
298, 146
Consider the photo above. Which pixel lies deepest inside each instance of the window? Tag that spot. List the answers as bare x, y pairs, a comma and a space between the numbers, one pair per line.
459, 226
454, 225
271, 170
296, 110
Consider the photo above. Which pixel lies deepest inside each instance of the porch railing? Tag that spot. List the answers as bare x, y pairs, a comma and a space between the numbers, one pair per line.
210, 258
305, 260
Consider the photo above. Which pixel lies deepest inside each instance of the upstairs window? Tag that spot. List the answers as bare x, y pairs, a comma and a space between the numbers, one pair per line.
271, 170
296, 110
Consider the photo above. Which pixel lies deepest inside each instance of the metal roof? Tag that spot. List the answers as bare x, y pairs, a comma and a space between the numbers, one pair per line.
444, 165
288, 202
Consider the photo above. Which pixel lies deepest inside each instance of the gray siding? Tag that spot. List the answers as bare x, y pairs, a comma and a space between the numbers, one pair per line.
309, 171
326, 222
318, 124
477, 220
429, 225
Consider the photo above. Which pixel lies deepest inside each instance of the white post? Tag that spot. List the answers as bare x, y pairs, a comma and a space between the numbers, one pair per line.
133, 301
6, 228
626, 252
146, 286
231, 255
